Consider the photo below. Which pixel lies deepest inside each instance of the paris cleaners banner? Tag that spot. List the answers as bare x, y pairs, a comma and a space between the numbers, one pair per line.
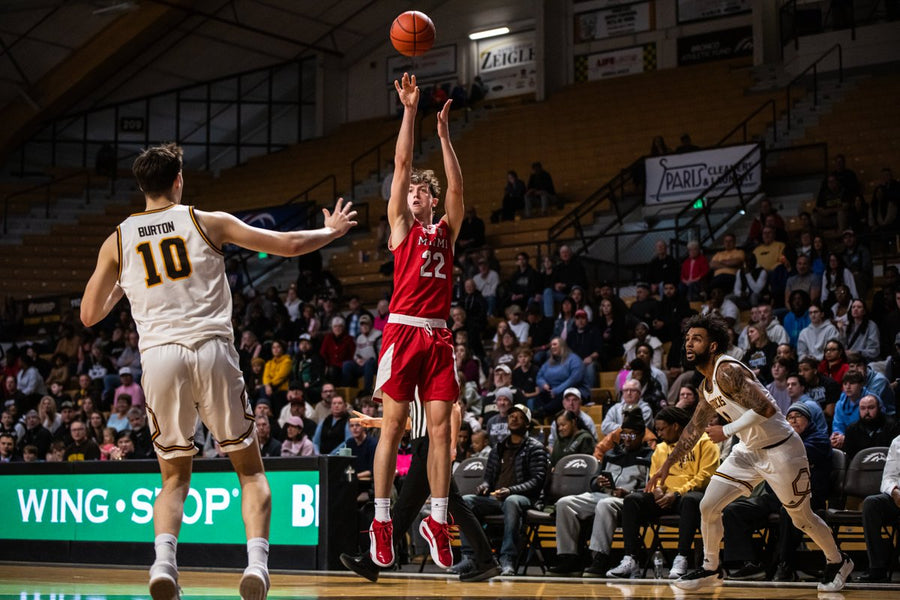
684, 177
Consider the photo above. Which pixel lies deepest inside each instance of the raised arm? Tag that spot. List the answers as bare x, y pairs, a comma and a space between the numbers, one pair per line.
689, 437
102, 292
399, 216
453, 202
223, 228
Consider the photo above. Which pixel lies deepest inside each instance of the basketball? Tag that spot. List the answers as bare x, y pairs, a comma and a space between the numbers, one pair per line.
412, 33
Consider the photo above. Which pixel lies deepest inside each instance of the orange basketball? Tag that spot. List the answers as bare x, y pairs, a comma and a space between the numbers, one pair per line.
412, 33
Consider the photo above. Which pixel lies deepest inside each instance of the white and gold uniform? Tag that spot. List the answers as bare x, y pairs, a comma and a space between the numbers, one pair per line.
768, 451
174, 278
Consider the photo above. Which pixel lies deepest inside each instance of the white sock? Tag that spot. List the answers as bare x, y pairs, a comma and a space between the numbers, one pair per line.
165, 545
439, 509
383, 509
258, 552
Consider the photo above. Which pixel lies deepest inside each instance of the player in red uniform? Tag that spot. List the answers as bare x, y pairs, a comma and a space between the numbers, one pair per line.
417, 347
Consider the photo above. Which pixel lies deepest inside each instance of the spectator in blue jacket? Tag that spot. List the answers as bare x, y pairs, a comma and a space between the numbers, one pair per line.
846, 411
563, 369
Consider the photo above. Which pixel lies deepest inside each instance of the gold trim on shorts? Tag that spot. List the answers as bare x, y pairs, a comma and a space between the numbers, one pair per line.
734, 479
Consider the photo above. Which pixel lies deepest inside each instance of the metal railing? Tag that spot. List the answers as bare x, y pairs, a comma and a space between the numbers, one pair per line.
814, 67
811, 18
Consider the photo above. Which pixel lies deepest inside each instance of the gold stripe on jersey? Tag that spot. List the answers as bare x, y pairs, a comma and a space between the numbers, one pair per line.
223, 443
119, 249
203, 233
734, 479
156, 434
154, 210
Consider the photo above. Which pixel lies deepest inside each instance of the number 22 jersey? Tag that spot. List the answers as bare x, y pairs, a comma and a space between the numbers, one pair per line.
423, 271
174, 278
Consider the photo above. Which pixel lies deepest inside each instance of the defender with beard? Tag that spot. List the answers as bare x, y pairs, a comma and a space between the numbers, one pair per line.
768, 450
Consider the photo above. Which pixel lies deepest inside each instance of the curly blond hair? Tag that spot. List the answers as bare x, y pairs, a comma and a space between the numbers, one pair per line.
426, 176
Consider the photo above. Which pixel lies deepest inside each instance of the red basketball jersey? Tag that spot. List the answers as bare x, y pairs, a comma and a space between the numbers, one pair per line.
423, 268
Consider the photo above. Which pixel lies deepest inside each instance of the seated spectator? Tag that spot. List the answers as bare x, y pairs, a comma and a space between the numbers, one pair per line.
256, 389
645, 307
884, 206
651, 392
878, 511
662, 268
584, 340
517, 324
504, 353
481, 443
760, 352
679, 494
334, 429
296, 442
694, 270
140, 433
613, 331
642, 336
726, 262
59, 373
563, 369
513, 196
768, 253
777, 386
365, 360
107, 443
765, 316
268, 446
476, 315
804, 280
540, 188
858, 260
862, 334
277, 373
832, 205
722, 306
572, 402
50, 419
834, 364
751, 283
296, 406
540, 332
846, 411
571, 437
524, 285
362, 446
797, 317
646, 353
874, 382
337, 348
35, 434
511, 491
836, 275
131, 387
824, 390
673, 310
745, 515
627, 466
631, 397
496, 426
9, 424
796, 387
471, 232
874, 428
8, 448
67, 415
686, 145
487, 280
86, 389
524, 375
812, 338
568, 272
502, 379
29, 380
688, 397
82, 447
118, 420
57, 451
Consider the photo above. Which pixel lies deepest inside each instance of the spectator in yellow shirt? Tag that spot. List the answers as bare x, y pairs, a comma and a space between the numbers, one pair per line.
277, 372
768, 253
680, 494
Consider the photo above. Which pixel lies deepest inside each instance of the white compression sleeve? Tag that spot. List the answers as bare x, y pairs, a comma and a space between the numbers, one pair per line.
751, 417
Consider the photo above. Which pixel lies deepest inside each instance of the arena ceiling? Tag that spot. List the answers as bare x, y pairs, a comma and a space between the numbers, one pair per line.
60, 56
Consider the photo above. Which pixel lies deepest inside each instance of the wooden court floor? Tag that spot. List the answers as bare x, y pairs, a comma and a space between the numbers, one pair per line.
29, 582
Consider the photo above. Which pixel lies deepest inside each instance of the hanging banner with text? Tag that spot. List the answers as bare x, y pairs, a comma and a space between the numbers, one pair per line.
611, 22
683, 177
700, 10
716, 45
507, 64
615, 63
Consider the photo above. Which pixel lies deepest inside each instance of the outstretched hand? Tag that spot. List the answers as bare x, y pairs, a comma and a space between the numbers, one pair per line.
443, 120
408, 91
342, 219
365, 420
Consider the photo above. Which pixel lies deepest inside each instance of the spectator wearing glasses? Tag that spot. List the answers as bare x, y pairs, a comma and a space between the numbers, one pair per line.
834, 363
631, 396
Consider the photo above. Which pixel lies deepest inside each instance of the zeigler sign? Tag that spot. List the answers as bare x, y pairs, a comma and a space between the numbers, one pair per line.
118, 507
684, 177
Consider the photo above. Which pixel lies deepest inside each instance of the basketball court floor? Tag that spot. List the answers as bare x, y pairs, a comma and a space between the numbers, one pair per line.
29, 582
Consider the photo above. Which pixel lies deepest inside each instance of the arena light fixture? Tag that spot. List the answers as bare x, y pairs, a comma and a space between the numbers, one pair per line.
480, 35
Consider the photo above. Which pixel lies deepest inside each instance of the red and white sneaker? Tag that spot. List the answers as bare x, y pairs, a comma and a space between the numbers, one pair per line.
438, 537
381, 543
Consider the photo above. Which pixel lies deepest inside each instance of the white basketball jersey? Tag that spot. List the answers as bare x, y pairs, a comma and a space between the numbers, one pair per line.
174, 278
771, 431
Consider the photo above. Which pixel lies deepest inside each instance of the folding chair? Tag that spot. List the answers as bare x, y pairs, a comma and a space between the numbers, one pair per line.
863, 478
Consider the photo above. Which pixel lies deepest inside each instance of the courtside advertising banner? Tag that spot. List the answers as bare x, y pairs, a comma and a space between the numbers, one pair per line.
683, 177
611, 22
118, 507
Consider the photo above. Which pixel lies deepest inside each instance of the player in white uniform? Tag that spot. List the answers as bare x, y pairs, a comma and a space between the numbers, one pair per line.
168, 261
769, 450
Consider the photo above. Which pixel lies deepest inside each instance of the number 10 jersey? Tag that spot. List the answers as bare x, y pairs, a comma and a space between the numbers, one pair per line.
174, 278
423, 272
